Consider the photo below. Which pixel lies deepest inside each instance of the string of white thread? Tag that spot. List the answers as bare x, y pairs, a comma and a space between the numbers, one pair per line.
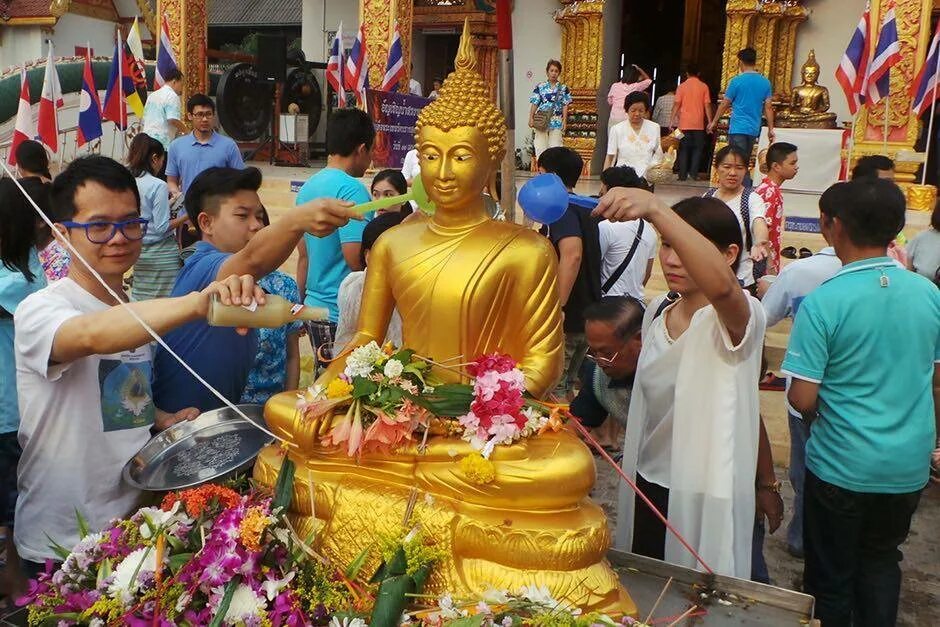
156, 336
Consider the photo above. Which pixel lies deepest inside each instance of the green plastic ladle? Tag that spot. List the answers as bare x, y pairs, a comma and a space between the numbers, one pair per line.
417, 194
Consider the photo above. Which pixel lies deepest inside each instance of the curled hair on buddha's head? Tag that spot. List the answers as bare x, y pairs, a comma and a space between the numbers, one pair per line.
464, 100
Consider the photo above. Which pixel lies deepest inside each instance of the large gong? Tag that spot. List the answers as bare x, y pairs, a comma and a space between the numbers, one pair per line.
303, 90
244, 102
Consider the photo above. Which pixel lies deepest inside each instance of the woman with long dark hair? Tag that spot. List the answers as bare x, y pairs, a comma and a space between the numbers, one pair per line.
694, 421
20, 275
388, 183
159, 263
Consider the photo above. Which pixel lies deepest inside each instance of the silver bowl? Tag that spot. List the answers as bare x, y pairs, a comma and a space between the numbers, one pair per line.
219, 443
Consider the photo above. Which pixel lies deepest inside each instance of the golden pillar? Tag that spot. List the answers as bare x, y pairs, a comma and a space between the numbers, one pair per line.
913, 21
188, 21
582, 37
379, 17
768, 27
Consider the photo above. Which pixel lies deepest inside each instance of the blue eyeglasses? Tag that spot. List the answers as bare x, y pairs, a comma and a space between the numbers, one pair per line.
103, 232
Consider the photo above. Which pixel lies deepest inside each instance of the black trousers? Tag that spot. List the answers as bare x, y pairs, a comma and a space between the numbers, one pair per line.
851, 541
649, 532
691, 148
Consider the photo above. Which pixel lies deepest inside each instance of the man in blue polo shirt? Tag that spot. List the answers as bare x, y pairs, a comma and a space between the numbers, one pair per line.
863, 356
748, 95
191, 154
323, 262
229, 216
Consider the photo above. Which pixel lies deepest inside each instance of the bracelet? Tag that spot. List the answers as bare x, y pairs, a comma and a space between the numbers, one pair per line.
773, 487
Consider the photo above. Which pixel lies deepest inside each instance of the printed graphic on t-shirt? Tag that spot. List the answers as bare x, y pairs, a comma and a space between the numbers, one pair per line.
126, 399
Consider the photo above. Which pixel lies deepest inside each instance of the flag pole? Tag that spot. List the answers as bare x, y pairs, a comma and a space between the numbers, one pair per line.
507, 191
884, 132
851, 145
122, 112
933, 107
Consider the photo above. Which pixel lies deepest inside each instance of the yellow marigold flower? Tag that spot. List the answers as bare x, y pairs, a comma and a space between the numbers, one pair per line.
478, 469
388, 348
338, 388
252, 526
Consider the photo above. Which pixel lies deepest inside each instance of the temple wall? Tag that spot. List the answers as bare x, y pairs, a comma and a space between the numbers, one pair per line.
828, 30
536, 38
315, 24
23, 43
77, 30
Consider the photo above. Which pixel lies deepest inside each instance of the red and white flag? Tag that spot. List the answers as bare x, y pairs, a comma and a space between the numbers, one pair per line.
49, 105
395, 65
357, 67
24, 128
335, 68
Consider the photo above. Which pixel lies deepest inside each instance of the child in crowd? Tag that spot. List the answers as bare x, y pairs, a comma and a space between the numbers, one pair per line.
576, 240
20, 275
350, 291
747, 207
435, 93
781, 166
693, 430
388, 183
277, 364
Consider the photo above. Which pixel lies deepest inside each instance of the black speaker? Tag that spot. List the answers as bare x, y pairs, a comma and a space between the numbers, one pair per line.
272, 57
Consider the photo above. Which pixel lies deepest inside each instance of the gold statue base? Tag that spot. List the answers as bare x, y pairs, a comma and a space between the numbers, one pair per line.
827, 122
921, 197
534, 525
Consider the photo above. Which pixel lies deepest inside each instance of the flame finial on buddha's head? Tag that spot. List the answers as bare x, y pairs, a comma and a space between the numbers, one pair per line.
464, 101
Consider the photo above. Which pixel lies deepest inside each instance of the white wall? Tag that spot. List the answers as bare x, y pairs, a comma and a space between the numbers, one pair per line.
536, 38
20, 44
77, 30
321, 16
418, 42
828, 31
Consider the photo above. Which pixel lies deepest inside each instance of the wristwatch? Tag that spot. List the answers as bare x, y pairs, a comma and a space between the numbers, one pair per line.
773, 487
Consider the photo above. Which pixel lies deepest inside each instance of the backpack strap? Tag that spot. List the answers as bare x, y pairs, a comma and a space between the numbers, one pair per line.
746, 217
613, 278
671, 297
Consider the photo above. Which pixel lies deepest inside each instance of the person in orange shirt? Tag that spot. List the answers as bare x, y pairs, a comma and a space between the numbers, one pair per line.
691, 114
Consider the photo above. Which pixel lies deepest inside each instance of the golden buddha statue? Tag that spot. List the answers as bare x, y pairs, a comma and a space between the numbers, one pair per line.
809, 102
464, 285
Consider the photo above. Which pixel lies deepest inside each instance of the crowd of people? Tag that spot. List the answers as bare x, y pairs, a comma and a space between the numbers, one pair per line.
679, 375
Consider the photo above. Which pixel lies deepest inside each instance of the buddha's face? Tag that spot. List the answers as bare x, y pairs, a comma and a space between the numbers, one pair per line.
810, 75
455, 165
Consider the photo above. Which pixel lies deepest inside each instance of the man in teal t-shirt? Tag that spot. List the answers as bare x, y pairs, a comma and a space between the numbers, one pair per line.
863, 355
324, 262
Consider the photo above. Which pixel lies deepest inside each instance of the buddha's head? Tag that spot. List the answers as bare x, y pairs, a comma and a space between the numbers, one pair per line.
810, 70
460, 137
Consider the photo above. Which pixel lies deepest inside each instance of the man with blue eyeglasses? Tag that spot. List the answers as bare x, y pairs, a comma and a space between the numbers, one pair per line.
83, 364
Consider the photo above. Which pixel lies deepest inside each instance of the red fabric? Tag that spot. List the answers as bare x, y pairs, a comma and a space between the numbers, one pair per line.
773, 199
503, 25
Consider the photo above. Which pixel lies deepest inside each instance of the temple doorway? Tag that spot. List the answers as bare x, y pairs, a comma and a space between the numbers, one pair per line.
440, 50
665, 35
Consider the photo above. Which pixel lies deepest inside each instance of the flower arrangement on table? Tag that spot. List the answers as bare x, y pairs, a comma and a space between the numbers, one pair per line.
390, 395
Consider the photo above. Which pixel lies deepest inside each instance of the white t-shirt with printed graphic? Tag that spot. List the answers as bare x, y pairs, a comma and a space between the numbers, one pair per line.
80, 423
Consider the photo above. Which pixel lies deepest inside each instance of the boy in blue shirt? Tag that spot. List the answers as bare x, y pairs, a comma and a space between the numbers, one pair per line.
863, 356
229, 216
323, 262
748, 94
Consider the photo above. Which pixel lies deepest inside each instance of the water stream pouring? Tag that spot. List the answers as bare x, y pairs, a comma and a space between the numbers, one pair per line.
418, 194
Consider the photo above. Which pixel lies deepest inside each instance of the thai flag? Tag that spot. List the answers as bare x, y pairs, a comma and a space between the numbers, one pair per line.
89, 107
924, 90
357, 67
335, 67
887, 54
166, 60
24, 128
854, 64
114, 108
49, 105
395, 67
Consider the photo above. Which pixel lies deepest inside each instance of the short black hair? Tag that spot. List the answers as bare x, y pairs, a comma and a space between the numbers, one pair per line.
377, 226
93, 168
713, 219
778, 153
624, 312
199, 100
692, 69
554, 62
32, 157
214, 185
730, 149
172, 74
869, 165
18, 222
635, 97
623, 176
346, 130
747, 56
564, 162
871, 209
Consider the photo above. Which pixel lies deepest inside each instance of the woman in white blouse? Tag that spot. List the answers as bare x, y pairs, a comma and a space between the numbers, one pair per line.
635, 141
694, 423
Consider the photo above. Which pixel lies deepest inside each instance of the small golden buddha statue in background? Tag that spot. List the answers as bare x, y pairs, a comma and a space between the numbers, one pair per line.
464, 285
809, 102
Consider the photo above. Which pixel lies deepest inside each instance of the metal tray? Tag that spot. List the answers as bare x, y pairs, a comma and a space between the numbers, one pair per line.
216, 444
